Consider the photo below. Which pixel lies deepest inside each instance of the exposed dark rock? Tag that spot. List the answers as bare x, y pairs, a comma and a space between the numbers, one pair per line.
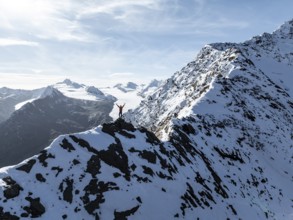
119, 126
95, 188
66, 145
138, 199
149, 156
36, 209
187, 128
164, 176
59, 170
24, 215
217, 180
123, 215
116, 175
75, 162
133, 167
190, 199
44, 156
148, 170
40, 177
12, 189
84, 144
116, 157
27, 166
151, 137
142, 179
7, 215
68, 191
201, 181
233, 209
93, 165
234, 155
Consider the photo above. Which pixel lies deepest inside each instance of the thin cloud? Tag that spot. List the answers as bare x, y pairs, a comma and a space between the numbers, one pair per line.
121, 74
42, 19
27, 81
17, 42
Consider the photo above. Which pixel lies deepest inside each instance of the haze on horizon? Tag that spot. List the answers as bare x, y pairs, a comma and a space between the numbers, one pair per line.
104, 42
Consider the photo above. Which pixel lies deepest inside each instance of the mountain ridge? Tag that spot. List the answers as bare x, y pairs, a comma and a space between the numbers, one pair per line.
214, 141
117, 160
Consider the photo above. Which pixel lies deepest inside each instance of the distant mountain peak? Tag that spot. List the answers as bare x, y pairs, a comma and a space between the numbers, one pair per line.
131, 85
128, 87
94, 90
68, 82
50, 91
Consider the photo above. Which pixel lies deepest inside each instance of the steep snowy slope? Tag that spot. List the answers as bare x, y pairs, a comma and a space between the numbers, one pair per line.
119, 172
111, 172
264, 61
234, 106
36, 124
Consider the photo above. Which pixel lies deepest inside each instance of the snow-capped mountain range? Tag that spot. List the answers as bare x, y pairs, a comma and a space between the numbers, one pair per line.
13, 99
42, 115
225, 149
131, 94
32, 119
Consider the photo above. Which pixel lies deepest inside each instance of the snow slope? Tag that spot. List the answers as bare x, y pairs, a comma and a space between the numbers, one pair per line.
104, 173
119, 172
261, 58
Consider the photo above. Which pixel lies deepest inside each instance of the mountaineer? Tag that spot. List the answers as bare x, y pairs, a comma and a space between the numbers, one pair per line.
120, 109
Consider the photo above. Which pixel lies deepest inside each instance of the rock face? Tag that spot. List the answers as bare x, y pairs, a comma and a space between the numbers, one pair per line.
225, 149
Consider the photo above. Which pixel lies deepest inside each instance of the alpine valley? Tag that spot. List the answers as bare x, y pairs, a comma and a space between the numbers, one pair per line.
215, 141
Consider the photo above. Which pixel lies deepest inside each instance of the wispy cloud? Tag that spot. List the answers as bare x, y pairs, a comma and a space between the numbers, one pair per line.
121, 40
42, 19
17, 42
27, 81
121, 74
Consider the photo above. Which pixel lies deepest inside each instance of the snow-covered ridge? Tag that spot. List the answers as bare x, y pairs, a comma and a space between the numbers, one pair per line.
269, 53
117, 171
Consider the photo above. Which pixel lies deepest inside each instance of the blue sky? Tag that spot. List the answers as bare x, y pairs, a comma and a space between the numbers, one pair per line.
102, 42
